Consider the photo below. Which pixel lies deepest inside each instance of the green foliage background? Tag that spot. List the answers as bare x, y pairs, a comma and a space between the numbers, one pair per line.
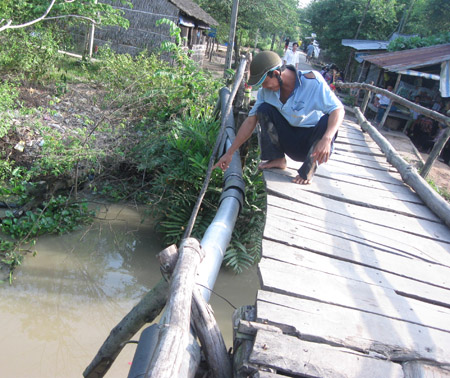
155, 138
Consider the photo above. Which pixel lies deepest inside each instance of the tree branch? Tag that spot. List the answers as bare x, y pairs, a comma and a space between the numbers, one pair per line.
42, 18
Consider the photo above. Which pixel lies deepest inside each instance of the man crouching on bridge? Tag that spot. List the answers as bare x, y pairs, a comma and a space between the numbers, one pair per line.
298, 114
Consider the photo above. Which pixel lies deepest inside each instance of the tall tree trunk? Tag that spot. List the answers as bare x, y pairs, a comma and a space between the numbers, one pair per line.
273, 42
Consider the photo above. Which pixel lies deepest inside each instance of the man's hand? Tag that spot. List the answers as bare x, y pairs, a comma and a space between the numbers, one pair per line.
322, 151
224, 162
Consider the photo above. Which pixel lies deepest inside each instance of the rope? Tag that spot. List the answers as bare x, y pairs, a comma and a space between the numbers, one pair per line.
239, 76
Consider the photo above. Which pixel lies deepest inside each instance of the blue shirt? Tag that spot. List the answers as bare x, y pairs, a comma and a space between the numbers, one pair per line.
309, 101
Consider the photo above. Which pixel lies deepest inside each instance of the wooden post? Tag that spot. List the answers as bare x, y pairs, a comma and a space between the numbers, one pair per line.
91, 37
386, 113
229, 56
205, 324
174, 335
365, 101
435, 152
242, 343
359, 78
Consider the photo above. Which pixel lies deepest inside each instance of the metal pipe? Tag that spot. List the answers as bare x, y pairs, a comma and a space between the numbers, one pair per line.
218, 235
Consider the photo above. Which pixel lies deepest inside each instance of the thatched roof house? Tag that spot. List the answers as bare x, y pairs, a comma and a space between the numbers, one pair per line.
143, 32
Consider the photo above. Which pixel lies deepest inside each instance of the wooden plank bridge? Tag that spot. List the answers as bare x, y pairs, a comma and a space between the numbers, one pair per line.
355, 274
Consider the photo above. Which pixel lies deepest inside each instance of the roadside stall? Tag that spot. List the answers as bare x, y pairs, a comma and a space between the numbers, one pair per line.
419, 75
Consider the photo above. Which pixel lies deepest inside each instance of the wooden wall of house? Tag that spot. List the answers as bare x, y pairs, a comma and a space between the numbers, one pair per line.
142, 33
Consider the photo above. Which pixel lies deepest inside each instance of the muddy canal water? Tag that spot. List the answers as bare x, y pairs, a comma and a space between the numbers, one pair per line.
66, 299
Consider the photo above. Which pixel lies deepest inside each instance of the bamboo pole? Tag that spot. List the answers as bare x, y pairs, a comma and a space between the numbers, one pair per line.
409, 175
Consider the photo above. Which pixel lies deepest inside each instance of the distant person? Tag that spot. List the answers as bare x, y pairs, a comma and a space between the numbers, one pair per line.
381, 102
309, 52
286, 43
298, 114
292, 57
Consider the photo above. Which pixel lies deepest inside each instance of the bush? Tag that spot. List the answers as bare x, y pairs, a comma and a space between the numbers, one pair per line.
32, 54
8, 98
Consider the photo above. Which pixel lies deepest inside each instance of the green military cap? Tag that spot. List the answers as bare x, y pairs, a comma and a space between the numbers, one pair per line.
261, 64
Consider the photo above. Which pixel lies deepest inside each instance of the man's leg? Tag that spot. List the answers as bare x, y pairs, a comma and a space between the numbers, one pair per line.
380, 113
278, 138
271, 149
308, 168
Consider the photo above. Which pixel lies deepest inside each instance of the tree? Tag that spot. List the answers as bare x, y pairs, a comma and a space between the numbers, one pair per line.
269, 17
428, 17
22, 13
334, 20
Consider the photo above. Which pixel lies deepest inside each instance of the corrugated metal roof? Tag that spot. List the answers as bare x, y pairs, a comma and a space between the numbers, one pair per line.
193, 10
361, 45
410, 59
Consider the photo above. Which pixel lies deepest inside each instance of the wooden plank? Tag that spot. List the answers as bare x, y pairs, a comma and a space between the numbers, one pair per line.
291, 355
369, 333
396, 264
301, 282
277, 180
393, 179
369, 164
365, 190
364, 179
411, 225
420, 369
403, 286
266, 374
383, 238
350, 126
357, 136
342, 141
359, 150
343, 152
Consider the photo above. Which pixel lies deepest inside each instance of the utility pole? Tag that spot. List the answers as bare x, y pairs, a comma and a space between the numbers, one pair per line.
234, 14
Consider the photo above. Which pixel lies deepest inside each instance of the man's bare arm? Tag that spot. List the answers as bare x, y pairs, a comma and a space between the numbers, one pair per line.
244, 133
323, 148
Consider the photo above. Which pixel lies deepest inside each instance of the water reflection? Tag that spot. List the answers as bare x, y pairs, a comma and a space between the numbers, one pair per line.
65, 301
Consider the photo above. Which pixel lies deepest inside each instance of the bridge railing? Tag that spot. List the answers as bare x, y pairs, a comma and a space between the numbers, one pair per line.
440, 143
408, 173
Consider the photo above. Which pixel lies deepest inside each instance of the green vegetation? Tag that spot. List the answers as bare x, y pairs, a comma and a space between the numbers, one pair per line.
402, 43
148, 138
441, 191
